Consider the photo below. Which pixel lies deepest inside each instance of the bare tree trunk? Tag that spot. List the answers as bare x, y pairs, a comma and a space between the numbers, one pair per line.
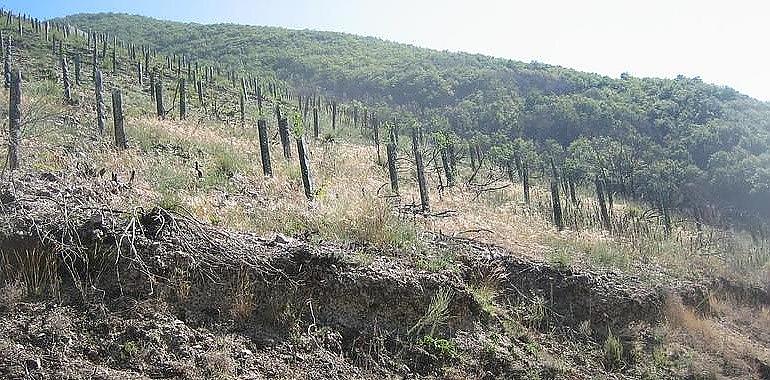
472, 154
666, 216
259, 98
94, 61
114, 60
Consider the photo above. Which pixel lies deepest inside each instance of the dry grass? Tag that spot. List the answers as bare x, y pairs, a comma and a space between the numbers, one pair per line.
732, 344
243, 303
35, 271
348, 205
219, 365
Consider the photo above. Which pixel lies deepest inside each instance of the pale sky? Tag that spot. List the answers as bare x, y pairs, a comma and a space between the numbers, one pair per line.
723, 42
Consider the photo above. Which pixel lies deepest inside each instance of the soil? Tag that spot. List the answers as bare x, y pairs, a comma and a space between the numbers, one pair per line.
135, 294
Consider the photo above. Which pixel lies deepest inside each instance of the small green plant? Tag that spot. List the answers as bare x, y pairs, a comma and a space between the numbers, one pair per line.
533, 348
436, 315
329, 137
444, 348
170, 200
436, 260
34, 271
298, 127
660, 358
560, 257
605, 254
513, 328
613, 351
223, 166
486, 289
585, 328
484, 293
536, 313
293, 173
129, 350
169, 177
363, 258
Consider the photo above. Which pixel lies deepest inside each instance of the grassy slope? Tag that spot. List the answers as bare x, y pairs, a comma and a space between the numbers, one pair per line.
233, 194
682, 119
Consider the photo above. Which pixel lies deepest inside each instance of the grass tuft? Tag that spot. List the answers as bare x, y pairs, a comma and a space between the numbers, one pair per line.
436, 315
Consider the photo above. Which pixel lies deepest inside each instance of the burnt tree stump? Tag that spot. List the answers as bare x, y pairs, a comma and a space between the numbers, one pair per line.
421, 181
392, 153
65, 80
159, 99
334, 116
14, 120
264, 148
450, 178
77, 69
98, 88
7, 64
283, 132
304, 166
605, 216
316, 130
558, 219
117, 116
199, 87
182, 99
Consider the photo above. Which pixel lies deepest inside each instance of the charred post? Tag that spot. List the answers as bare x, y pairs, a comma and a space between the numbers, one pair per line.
117, 116
14, 120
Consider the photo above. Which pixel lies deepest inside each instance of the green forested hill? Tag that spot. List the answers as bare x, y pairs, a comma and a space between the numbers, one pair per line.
677, 143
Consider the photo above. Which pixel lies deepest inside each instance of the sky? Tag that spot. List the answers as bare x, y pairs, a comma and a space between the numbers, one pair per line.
723, 42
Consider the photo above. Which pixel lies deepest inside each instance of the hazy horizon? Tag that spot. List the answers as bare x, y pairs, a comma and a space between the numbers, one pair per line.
656, 39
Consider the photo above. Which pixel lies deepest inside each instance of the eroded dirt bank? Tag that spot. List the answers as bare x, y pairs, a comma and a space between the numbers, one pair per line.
92, 291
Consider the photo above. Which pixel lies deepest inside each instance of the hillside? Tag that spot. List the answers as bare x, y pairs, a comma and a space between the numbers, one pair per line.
245, 228
647, 131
